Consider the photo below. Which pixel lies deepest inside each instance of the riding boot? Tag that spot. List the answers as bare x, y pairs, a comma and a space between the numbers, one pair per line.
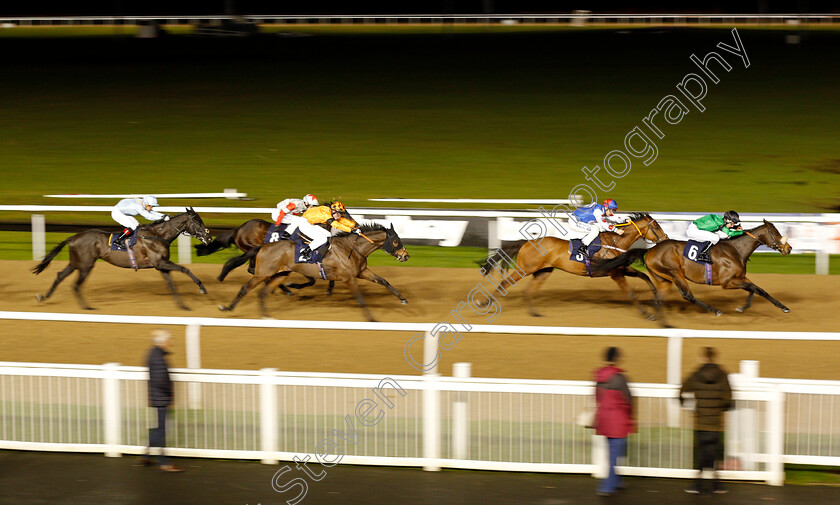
705, 255
120, 241
305, 254
583, 250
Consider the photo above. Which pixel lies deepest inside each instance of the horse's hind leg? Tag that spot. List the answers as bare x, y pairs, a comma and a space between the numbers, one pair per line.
682, 285
58, 278
330, 288
172, 289
77, 287
540, 276
248, 286
618, 277
367, 275
746, 285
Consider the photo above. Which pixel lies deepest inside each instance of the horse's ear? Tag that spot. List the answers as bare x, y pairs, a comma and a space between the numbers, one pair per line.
392, 227
765, 221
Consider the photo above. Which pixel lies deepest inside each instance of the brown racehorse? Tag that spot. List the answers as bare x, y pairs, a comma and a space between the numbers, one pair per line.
531, 261
151, 251
345, 261
666, 263
246, 237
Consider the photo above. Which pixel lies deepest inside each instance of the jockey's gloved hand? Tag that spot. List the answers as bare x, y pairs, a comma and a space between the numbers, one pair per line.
166, 218
357, 231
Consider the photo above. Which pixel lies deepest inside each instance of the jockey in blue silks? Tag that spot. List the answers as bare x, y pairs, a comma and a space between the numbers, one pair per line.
592, 219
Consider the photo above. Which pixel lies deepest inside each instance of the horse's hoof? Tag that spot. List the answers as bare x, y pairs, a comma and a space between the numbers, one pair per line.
250, 270
184, 307
785, 310
40, 297
718, 313
224, 308
288, 293
650, 317
404, 301
535, 314
329, 292
202, 291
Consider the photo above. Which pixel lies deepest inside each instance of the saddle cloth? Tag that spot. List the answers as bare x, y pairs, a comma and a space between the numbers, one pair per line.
692, 250
274, 233
574, 245
316, 256
130, 241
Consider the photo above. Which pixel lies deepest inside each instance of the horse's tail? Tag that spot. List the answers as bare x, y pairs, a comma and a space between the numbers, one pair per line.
220, 242
49, 257
509, 250
622, 260
237, 261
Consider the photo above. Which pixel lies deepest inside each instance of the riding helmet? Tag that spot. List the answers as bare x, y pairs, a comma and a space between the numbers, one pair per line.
150, 200
610, 204
732, 216
310, 200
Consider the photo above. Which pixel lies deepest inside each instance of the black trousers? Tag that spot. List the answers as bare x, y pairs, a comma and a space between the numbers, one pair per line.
157, 436
707, 450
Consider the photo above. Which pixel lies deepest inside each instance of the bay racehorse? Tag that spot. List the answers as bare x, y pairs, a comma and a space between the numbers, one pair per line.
540, 257
150, 251
345, 261
246, 236
667, 265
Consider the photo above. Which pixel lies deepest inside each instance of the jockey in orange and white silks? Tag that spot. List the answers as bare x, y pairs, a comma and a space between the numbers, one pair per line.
593, 219
125, 210
292, 207
335, 215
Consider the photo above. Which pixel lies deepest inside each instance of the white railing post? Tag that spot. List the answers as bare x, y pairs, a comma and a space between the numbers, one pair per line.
821, 262
111, 409
39, 237
674, 377
493, 240
268, 416
184, 249
431, 406
460, 415
193, 344
776, 437
748, 430
600, 457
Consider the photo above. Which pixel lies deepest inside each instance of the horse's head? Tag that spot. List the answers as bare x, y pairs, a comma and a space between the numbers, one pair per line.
195, 227
768, 235
648, 228
393, 245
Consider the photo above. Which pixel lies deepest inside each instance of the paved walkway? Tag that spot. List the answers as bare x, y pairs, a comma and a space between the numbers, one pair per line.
83, 479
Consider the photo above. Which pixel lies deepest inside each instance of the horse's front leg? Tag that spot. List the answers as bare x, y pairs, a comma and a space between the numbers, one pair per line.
357, 294
682, 284
172, 289
619, 278
169, 266
367, 275
747, 285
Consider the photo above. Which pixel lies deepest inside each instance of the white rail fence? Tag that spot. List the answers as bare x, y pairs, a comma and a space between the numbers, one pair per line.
575, 19
430, 421
817, 233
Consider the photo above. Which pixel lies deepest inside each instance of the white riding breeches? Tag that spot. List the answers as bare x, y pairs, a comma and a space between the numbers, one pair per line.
699, 235
590, 229
317, 234
126, 221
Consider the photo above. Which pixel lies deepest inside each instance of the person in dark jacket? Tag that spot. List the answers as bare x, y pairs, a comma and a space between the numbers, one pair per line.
713, 397
160, 396
613, 415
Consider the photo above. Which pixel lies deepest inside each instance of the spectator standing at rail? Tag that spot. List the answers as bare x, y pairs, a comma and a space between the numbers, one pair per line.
613, 415
160, 397
713, 397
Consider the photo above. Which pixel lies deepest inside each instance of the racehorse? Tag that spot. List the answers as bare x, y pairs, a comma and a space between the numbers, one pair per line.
345, 261
246, 237
667, 266
150, 251
531, 261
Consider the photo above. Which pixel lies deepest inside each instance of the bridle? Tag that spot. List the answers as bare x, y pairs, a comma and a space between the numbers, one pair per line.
777, 244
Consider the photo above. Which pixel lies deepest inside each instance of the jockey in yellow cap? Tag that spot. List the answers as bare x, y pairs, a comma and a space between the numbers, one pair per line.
334, 215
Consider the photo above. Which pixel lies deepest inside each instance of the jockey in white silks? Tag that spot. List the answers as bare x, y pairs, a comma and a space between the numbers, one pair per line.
125, 210
593, 219
292, 207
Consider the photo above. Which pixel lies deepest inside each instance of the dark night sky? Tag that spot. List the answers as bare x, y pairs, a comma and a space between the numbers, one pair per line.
180, 7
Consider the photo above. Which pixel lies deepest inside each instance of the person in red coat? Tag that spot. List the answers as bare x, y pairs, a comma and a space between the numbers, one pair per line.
613, 415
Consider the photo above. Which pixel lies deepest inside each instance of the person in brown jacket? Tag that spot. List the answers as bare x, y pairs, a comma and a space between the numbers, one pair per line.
713, 397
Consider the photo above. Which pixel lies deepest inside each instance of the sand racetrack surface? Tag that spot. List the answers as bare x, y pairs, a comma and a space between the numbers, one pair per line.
564, 300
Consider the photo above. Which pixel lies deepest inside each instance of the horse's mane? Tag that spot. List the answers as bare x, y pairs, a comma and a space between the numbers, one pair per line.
635, 216
367, 227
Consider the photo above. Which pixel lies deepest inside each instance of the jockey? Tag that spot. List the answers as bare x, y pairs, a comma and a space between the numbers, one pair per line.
592, 219
712, 228
292, 207
334, 215
125, 209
